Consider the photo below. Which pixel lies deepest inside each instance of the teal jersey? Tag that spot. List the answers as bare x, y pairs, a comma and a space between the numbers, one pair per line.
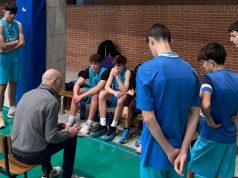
10, 31
122, 77
94, 79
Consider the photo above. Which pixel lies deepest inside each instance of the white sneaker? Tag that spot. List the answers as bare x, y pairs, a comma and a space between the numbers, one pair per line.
75, 176
85, 129
11, 113
53, 173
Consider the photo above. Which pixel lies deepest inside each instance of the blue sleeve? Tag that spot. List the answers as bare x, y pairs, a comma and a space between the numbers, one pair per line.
207, 84
196, 97
144, 97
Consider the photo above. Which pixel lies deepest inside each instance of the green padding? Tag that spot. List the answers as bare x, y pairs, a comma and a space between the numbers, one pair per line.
94, 158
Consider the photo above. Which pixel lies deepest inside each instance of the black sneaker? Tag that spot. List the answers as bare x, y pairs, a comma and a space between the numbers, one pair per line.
98, 131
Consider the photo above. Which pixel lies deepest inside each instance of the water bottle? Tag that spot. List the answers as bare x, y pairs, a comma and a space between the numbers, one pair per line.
62, 105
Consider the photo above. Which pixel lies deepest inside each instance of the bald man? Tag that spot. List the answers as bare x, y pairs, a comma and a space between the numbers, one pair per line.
35, 133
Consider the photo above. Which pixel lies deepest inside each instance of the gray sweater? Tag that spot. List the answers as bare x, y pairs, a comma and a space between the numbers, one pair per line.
36, 122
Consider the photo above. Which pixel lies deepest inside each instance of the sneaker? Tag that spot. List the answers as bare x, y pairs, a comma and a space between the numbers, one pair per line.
53, 173
110, 134
138, 142
2, 124
11, 113
85, 129
95, 124
124, 136
99, 131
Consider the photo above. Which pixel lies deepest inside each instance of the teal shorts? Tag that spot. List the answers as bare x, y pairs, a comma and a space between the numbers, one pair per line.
9, 67
210, 159
147, 172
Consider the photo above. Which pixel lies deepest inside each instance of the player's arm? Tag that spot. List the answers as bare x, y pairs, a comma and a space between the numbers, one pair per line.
77, 85
6, 46
109, 83
99, 86
193, 119
155, 129
21, 37
124, 87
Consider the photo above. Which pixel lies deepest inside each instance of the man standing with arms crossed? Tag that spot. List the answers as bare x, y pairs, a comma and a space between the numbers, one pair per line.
11, 39
168, 95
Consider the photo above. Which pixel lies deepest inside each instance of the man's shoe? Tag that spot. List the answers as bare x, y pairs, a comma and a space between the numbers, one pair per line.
53, 173
2, 124
99, 131
110, 134
124, 136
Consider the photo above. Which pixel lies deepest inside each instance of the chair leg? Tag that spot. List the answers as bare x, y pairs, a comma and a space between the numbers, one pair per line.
25, 175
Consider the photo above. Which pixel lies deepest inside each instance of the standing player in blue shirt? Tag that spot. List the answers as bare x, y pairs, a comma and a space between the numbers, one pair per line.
233, 31
168, 95
216, 144
11, 39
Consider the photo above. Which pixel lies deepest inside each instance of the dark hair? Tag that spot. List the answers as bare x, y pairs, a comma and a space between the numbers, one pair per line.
233, 27
158, 31
107, 48
11, 6
213, 51
95, 58
119, 60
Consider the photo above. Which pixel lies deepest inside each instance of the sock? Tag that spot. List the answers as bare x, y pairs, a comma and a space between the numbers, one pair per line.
114, 123
71, 119
103, 121
89, 121
12, 108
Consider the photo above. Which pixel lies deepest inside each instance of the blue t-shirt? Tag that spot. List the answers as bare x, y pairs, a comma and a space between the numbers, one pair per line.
223, 85
168, 86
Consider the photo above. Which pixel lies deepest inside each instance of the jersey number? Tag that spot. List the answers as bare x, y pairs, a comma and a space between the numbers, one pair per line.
10, 32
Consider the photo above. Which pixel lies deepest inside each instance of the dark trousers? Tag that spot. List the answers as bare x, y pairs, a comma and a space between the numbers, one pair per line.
44, 157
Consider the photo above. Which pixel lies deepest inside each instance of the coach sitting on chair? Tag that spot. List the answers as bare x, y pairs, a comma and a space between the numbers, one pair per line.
35, 133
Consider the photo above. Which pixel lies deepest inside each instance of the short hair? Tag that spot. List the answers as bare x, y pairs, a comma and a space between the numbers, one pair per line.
158, 31
11, 6
233, 27
119, 60
95, 58
213, 51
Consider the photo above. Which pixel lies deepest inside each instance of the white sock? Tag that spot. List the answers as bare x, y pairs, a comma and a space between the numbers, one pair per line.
89, 121
1, 113
114, 123
12, 108
103, 121
71, 119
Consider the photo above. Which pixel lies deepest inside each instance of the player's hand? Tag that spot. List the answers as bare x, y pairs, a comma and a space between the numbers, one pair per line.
74, 130
116, 72
118, 94
131, 92
125, 112
77, 99
212, 124
172, 155
179, 163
